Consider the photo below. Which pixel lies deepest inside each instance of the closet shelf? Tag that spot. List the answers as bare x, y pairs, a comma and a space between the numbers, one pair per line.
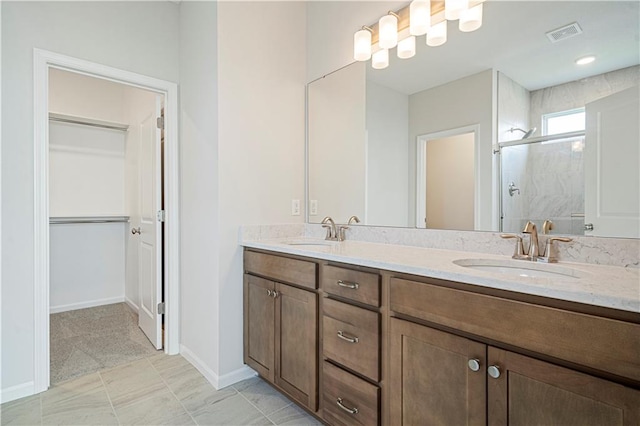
62, 118
87, 219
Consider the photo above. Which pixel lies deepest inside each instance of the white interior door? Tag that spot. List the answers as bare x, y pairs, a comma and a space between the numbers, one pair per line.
150, 230
611, 158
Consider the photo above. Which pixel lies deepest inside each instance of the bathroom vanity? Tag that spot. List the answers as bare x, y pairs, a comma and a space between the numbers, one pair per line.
365, 333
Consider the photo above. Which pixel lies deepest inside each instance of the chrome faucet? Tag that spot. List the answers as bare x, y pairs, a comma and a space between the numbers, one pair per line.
328, 223
341, 233
534, 248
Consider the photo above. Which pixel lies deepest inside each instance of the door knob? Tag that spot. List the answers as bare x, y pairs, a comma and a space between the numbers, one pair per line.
135, 231
474, 364
494, 371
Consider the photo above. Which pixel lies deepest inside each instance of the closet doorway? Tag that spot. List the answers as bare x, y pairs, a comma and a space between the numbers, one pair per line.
106, 187
105, 204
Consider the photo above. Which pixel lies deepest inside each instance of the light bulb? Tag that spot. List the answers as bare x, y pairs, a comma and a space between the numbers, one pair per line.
407, 47
388, 30
380, 59
419, 17
362, 45
471, 19
453, 8
437, 35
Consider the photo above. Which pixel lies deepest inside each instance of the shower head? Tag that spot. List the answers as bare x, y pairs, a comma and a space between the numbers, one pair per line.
527, 133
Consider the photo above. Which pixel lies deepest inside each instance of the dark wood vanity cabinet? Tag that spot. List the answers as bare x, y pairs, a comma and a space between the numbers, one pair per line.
281, 329
439, 377
360, 347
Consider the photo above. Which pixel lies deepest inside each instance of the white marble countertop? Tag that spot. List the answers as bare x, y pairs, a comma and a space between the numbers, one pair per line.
607, 286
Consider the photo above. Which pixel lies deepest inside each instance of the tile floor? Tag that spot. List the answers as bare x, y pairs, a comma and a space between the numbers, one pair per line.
89, 340
157, 390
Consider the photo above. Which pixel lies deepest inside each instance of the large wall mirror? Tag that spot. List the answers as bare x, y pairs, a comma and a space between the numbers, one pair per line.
493, 128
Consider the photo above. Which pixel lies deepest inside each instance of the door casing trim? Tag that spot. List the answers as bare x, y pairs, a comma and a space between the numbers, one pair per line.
42, 61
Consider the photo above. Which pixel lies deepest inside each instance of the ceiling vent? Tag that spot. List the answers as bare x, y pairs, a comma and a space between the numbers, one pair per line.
564, 33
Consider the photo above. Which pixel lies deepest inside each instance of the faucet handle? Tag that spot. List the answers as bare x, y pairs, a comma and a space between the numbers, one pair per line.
341, 233
548, 257
518, 253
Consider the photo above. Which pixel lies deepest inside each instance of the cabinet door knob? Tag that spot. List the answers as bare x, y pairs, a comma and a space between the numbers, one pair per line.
494, 371
135, 231
269, 293
274, 294
474, 364
353, 410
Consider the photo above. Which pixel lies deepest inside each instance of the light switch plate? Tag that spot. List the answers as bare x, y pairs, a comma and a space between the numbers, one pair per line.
295, 207
313, 207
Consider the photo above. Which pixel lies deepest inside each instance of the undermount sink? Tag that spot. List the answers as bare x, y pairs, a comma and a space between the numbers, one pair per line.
520, 268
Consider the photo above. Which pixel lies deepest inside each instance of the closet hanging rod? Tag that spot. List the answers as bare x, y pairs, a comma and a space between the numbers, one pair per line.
62, 118
88, 219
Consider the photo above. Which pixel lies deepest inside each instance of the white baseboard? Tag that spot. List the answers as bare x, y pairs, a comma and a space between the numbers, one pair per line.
218, 382
17, 392
87, 304
236, 376
131, 304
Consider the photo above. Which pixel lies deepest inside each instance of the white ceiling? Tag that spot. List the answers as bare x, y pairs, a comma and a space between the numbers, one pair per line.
512, 40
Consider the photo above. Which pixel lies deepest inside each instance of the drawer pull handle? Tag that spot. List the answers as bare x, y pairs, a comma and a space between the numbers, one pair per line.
347, 338
353, 410
348, 284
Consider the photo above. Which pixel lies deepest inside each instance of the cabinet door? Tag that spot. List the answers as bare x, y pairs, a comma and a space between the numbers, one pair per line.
532, 392
431, 382
259, 323
296, 343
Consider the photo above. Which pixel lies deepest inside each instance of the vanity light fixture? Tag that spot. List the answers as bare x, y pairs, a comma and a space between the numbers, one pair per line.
380, 59
362, 44
585, 60
438, 35
453, 8
407, 47
388, 26
420, 17
470, 19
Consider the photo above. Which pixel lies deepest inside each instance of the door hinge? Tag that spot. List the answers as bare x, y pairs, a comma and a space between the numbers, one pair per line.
161, 308
161, 215
160, 123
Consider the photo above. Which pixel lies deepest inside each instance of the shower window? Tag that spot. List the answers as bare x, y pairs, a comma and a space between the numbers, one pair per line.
563, 122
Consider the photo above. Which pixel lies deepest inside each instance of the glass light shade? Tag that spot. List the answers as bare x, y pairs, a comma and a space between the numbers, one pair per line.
437, 35
407, 47
380, 59
471, 19
419, 17
362, 45
453, 8
388, 30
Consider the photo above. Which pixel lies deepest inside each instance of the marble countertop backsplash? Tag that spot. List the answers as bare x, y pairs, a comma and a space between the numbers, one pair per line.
608, 267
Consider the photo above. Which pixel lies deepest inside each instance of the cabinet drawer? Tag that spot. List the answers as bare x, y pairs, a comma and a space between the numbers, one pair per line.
351, 337
283, 269
597, 342
347, 399
355, 285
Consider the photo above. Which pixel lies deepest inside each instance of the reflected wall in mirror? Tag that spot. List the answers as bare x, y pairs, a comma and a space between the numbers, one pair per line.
366, 127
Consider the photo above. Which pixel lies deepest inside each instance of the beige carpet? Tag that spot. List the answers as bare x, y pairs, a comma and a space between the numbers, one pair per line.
89, 340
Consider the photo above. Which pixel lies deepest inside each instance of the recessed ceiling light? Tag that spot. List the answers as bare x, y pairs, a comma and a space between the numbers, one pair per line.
585, 60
